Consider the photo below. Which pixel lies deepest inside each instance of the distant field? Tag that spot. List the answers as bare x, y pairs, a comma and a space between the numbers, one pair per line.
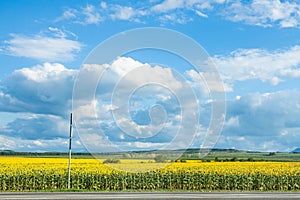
37, 174
189, 154
255, 156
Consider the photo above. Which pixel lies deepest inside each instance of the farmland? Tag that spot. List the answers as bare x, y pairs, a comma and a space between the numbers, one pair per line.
35, 174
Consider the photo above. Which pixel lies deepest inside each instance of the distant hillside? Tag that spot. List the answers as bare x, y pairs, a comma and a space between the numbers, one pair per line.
296, 150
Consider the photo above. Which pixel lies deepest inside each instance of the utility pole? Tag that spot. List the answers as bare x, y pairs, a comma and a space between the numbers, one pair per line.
70, 147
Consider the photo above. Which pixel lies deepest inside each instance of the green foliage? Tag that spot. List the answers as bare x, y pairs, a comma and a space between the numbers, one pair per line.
111, 160
160, 158
250, 159
234, 159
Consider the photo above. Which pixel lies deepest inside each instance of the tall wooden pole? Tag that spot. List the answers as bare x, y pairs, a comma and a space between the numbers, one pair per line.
70, 153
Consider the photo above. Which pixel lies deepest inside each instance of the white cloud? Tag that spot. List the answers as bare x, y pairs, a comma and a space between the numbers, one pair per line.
43, 88
91, 15
275, 81
6, 143
204, 83
48, 72
263, 118
261, 13
36, 126
174, 18
252, 120
232, 122
135, 72
295, 73
122, 65
126, 13
40, 98
132, 73
135, 101
201, 14
94, 141
168, 5
42, 47
103, 5
84, 15
174, 11
45, 72
265, 13
39, 145
11, 104
58, 32
68, 14
142, 145
86, 110
109, 107
272, 66
44, 93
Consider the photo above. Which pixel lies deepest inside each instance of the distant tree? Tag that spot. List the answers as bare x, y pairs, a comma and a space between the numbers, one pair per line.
126, 155
250, 159
217, 159
160, 158
111, 160
234, 159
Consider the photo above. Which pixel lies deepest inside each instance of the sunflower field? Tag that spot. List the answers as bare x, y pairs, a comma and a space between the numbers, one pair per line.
34, 174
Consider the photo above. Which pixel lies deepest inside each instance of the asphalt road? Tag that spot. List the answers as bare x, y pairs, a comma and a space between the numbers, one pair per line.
143, 195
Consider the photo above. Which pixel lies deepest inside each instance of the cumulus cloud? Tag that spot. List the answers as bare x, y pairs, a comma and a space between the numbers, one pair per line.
36, 127
41, 47
135, 102
206, 82
272, 66
44, 93
294, 73
266, 122
40, 98
43, 88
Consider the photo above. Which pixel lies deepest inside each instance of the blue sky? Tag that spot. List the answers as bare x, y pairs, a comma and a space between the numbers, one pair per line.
254, 45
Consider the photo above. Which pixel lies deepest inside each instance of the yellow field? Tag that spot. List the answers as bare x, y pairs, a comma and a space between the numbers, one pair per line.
51, 173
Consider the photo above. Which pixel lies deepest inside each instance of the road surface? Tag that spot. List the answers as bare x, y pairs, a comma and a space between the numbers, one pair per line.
149, 195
